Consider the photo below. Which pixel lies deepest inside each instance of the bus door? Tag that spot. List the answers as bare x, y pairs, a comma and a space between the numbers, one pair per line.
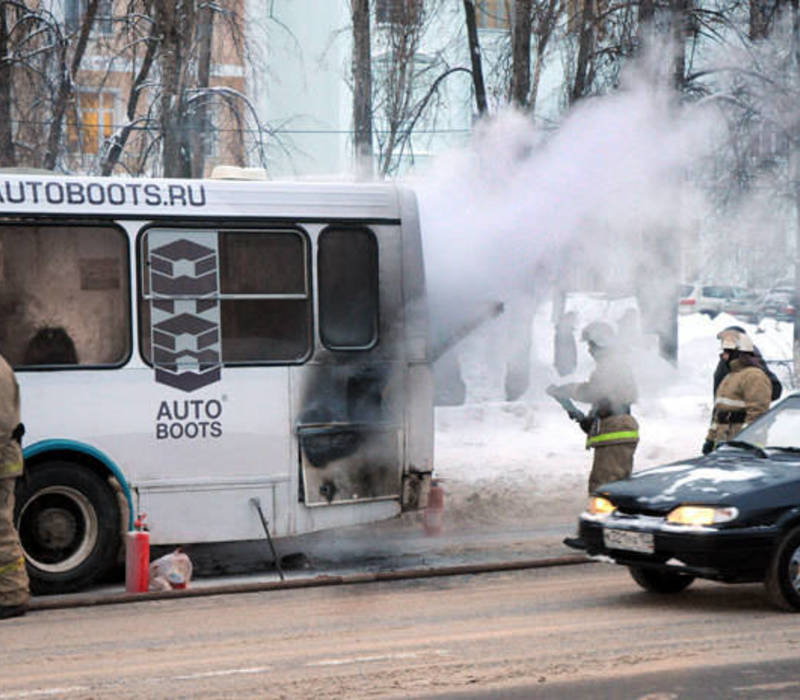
224, 313
351, 398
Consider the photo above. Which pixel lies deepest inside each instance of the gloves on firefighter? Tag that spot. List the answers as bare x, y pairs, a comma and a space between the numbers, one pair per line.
708, 446
586, 424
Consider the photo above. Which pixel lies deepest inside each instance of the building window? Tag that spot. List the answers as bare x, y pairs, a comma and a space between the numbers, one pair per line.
493, 14
403, 12
74, 11
91, 123
260, 292
347, 264
64, 296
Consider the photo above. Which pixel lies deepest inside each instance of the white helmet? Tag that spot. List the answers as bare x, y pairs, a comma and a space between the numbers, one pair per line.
735, 340
599, 334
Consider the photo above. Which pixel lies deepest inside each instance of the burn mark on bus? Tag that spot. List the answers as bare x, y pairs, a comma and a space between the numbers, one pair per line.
349, 448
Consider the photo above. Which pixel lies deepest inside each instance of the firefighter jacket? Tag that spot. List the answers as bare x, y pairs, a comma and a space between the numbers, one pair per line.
10, 450
742, 396
611, 389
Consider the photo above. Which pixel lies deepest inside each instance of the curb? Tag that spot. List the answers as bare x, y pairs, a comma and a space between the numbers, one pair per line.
90, 599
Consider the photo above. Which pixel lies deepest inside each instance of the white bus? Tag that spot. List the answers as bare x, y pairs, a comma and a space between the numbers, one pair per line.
187, 349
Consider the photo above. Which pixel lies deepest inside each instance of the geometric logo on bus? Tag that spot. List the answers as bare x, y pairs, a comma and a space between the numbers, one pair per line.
184, 309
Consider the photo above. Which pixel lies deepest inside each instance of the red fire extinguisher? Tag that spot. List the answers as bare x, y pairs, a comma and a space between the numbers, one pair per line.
137, 557
433, 516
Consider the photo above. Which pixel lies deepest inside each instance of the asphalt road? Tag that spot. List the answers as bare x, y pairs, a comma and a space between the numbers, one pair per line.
567, 632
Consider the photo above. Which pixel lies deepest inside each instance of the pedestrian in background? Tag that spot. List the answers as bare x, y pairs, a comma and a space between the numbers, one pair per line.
565, 350
14, 592
744, 392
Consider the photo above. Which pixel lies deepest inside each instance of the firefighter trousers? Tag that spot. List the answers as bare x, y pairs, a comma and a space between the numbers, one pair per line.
13, 576
611, 463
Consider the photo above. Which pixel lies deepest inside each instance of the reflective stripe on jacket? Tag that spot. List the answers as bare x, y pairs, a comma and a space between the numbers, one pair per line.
613, 430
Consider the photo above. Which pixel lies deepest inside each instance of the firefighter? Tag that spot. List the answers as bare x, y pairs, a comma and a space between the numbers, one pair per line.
14, 592
742, 395
611, 431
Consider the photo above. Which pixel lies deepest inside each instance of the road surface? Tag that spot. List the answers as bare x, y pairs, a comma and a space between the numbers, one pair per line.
577, 631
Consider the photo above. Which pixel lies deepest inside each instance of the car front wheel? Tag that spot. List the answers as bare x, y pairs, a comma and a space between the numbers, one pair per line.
783, 576
657, 581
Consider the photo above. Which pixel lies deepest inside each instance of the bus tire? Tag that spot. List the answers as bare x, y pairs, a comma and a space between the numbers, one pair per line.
68, 519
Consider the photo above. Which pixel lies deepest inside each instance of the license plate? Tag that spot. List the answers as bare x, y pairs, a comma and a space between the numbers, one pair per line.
629, 540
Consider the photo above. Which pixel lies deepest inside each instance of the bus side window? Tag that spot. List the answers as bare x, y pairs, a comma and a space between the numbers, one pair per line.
347, 261
263, 295
64, 295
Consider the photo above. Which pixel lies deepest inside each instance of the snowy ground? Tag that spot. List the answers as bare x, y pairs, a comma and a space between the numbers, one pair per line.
524, 462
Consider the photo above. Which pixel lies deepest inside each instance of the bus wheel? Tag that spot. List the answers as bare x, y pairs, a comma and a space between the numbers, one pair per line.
69, 525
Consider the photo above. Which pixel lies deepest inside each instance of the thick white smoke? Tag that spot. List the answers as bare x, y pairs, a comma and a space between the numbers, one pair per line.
601, 204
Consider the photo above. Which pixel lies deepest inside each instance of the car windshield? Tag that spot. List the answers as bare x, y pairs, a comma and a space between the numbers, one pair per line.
717, 292
777, 428
685, 290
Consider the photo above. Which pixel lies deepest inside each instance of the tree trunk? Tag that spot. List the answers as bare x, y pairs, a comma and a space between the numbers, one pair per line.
758, 20
475, 57
545, 25
205, 33
647, 11
7, 156
795, 174
680, 27
581, 84
65, 87
176, 25
521, 52
362, 88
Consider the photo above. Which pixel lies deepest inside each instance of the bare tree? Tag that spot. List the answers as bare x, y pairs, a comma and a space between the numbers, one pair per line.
68, 70
584, 69
37, 70
205, 33
6, 131
171, 95
475, 57
362, 87
131, 47
521, 52
546, 16
176, 23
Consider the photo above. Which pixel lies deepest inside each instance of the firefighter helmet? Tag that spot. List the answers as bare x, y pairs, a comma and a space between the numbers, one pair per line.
599, 334
735, 340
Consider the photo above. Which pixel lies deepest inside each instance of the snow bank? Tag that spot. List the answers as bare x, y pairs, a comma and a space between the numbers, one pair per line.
524, 462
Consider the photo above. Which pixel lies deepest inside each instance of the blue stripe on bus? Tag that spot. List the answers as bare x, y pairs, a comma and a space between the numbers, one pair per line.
75, 446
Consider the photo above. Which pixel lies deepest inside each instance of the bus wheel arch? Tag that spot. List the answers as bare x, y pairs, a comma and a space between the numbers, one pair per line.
69, 517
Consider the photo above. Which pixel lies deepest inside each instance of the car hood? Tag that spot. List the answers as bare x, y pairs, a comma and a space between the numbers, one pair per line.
728, 478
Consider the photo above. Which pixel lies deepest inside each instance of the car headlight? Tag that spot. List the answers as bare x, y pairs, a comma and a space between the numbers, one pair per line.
701, 515
598, 505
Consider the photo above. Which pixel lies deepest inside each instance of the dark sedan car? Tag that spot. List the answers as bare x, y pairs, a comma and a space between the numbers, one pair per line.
732, 515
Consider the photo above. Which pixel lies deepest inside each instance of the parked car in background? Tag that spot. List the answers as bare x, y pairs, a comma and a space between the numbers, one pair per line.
712, 299
744, 304
779, 303
687, 298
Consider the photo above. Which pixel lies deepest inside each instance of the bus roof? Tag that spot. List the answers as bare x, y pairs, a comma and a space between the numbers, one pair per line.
145, 198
